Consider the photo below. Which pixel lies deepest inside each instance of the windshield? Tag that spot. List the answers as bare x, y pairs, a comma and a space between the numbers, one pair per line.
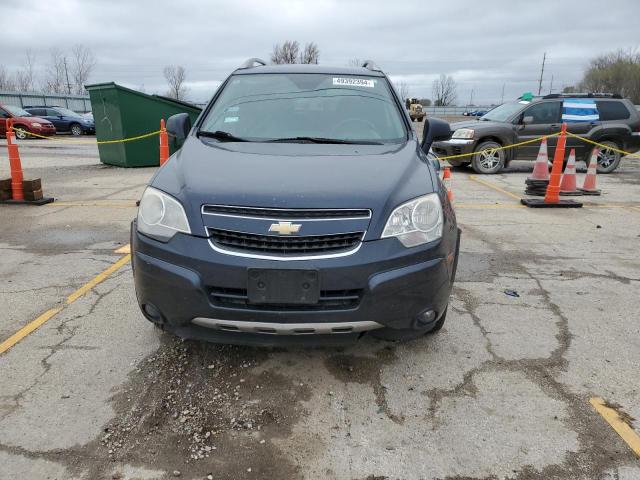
17, 111
67, 112
504, 112
264, 107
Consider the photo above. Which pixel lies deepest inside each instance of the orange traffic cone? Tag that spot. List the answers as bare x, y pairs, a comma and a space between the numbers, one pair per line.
568, 182
164, 143
14, 163
589, 186
446, 179
541, 168
552, 197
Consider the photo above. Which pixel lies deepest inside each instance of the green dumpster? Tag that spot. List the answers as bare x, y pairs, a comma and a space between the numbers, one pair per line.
122, 113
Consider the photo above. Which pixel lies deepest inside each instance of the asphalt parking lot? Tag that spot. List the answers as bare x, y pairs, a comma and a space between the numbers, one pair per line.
502, 392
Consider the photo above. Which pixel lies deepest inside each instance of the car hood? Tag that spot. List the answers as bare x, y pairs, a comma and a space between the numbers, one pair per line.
30, 120
279, 175
476, 125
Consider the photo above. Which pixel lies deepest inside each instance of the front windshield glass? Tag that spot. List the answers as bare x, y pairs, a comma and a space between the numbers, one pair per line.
267, 107
17, 111
67, 112
504, 112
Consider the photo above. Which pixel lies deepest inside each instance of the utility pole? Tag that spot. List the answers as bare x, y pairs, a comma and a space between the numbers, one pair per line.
471, 98
502, 100
67, 74
544, 57
551, 85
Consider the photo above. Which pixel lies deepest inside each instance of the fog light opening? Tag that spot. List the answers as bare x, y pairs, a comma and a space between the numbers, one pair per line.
153, 313
425, 319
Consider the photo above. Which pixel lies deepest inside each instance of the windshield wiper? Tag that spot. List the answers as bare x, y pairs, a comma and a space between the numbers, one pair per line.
323, 140
222, 136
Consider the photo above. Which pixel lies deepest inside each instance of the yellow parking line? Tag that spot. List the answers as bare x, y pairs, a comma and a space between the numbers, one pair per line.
101, 277
489, 206
49, 314
124, 249
494, 187
27, 329
94, 204
621, 427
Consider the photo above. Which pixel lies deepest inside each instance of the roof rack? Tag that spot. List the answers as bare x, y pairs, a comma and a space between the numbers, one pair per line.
251, 63
583, 95
370, 65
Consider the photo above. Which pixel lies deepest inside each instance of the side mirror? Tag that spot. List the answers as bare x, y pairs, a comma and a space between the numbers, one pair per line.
178, 126
527, 120
435, 130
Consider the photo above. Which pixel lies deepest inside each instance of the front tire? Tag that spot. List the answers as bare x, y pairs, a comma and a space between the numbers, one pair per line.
21, 133
403, 334
76, 130
608, 160
488, 162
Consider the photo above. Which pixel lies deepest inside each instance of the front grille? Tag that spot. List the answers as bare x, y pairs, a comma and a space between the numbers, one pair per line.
284, 213
329, 300
285, 245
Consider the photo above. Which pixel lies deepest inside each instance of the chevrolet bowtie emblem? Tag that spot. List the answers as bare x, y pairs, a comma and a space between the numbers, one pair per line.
285, 228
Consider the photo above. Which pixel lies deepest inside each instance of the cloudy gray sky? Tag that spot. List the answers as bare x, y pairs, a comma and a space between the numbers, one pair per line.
482, 44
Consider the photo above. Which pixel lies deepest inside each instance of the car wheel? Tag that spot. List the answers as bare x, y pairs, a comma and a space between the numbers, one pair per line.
76, 130
486, 160
401, 334
608, 160
21, 132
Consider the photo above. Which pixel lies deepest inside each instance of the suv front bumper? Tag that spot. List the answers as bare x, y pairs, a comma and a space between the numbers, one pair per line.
454, 147
177, 284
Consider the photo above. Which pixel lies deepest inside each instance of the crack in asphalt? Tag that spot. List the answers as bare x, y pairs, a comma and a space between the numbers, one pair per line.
598, 446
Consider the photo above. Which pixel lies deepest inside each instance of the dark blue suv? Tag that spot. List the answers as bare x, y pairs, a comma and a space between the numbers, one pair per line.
301, 208
65, 120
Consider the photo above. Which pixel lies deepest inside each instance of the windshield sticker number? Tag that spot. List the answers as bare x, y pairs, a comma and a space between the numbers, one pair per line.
353, 82
231, 119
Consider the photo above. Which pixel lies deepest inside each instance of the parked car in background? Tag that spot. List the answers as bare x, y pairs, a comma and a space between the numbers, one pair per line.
600, 117
24, 123
475, 113
65, 120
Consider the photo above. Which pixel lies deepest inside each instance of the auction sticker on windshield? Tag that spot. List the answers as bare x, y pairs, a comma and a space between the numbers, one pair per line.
354, 82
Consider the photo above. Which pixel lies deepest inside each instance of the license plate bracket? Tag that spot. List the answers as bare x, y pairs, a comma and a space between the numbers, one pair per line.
285, 287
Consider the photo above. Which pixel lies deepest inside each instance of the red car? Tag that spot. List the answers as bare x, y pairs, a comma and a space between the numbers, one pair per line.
24, 121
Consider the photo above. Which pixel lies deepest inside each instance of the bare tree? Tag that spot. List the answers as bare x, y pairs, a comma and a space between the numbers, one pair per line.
310, 53
444, 91
403, 90
176, 76
81, 67
6, 80
615, 72
54, 80
288, 52
25, 77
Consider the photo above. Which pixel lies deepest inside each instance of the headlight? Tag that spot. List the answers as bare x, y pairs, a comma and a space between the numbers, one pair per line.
36, 124
416, 222
161, 216
463, 133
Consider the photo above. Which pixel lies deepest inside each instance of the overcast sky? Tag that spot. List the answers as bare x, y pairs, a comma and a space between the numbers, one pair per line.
482, 44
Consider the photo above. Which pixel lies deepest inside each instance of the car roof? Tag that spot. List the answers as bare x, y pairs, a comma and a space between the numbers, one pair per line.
309, 68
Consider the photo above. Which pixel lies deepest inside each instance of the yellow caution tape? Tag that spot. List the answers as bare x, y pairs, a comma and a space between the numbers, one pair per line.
506, 147
608, 147
101, 142
448, 157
